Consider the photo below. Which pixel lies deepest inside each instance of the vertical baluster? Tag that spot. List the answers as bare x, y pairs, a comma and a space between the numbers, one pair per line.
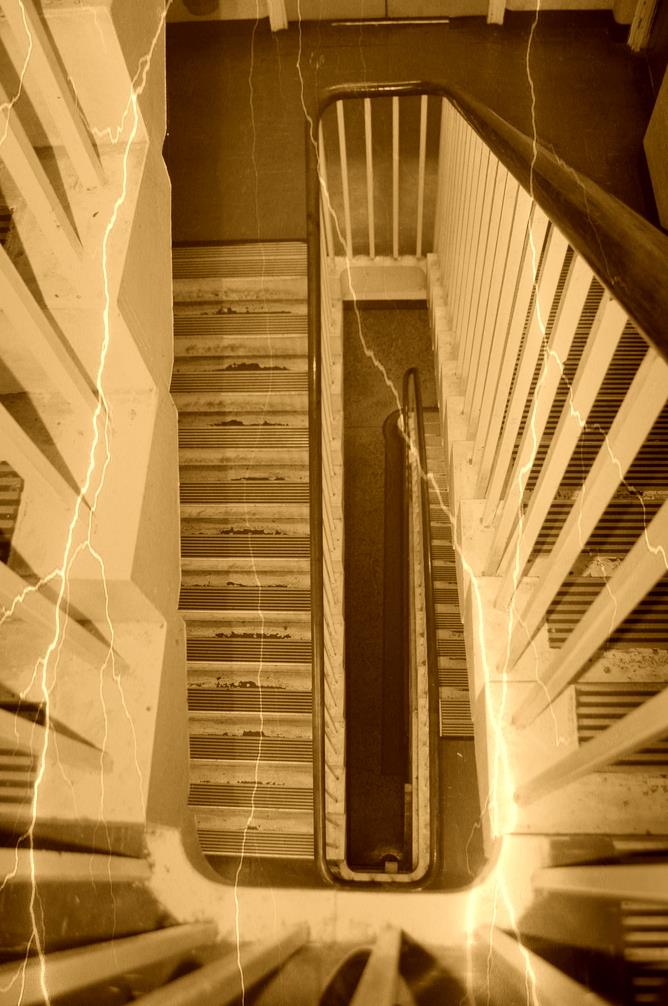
325, 200
444, 150
463, 252
461, 139
422, 158
509, 349
474, 293
623, 882
494, 241
512, 239
641, 407
545, 293
634, 577
601, 345
343, 155
395, 177
368, 138
561, 339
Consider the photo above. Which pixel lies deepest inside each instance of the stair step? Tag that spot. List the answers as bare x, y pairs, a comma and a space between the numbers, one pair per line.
243, 438
249, 674
266, 821
272, 774
246, 650
260, 796
262, 258
272, 492
242, 700
276, 749
253, 844
268, 726
208, 467
453, 675
244, 599
240, 382
227, 417
249, 575
245, 546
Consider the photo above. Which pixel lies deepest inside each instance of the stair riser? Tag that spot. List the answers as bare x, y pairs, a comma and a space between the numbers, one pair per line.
211, 465
261, 820
280, 629
261, 570
231, 359
235, 724
235, 403
273, 347
244, 773
291, 579
210, 673
269, 291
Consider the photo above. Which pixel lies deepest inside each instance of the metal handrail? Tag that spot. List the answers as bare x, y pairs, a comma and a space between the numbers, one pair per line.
629, 256
411, 382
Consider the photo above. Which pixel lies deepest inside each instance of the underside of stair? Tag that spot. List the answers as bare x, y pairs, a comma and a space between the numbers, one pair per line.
240, 385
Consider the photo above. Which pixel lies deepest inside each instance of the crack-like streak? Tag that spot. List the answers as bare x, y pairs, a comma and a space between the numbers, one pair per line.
46, 667
258, 582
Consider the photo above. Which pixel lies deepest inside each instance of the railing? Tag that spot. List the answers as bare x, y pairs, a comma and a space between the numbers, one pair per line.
526, 250
420, 624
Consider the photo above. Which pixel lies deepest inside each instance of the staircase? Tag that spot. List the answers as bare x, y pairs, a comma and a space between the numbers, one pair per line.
454, 705
240, 386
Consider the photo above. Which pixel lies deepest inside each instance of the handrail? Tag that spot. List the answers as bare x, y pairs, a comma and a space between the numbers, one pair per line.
622, 248
412, 381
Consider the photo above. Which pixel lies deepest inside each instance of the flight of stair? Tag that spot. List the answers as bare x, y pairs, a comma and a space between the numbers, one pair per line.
455, 712
240, 386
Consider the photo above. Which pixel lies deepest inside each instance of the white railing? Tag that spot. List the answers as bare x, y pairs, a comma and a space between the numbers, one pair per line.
378, 161
531, 348
333, 579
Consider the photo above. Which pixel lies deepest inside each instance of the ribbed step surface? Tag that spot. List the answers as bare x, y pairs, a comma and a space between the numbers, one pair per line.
253, 843
240, 383
600, 705
279, 258
454, 705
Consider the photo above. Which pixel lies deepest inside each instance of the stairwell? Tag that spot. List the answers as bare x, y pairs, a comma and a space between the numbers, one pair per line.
239, 384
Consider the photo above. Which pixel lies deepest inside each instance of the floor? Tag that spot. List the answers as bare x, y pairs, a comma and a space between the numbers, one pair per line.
237, 94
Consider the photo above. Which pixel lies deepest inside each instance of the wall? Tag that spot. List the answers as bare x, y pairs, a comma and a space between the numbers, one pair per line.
236, 124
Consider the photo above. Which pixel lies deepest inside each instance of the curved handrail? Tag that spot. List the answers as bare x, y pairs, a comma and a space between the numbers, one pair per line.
412, 381
628, 255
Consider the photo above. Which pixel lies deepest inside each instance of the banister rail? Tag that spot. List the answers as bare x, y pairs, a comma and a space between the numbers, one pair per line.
628, 255
417, 452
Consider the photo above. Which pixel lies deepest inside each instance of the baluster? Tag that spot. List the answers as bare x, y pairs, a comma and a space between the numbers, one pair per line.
545, 293
325, 203
633, 882
422, 159
379, 982
561, 338
474, 168
478, 224
512, 240
642, 404
368, 139
343, 156
646, 563
68, 971
20, 865
22, 735
444, 176
491, 212
460, 144
638, 729
508, 352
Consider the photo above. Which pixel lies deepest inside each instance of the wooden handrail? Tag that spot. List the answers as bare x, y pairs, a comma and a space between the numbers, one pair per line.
629, 256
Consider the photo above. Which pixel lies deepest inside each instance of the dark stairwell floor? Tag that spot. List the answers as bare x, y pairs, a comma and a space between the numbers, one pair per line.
396, 335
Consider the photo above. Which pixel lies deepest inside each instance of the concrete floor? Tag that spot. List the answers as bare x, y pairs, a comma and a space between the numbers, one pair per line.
237, 94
